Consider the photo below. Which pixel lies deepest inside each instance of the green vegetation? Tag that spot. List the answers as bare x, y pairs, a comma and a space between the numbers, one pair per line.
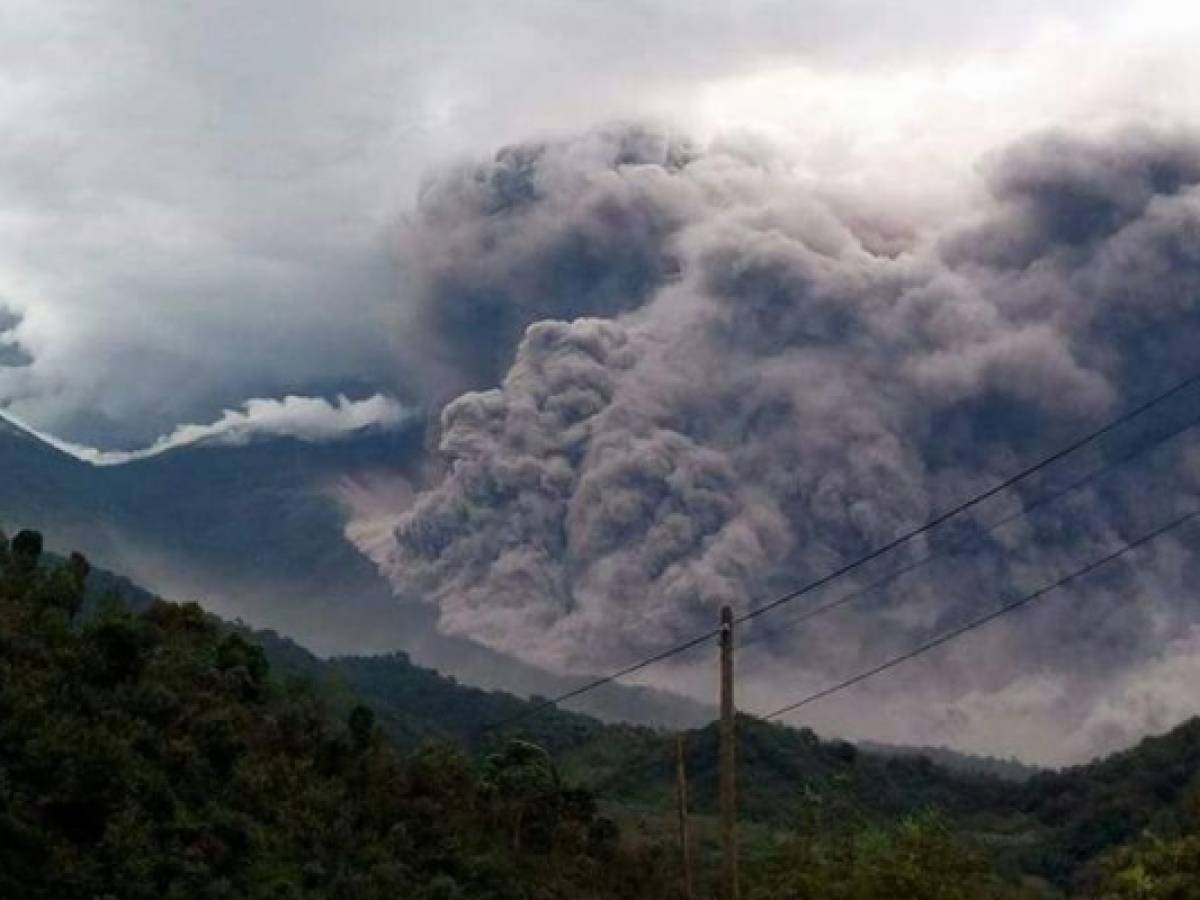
1152, 869
921, 858
777, 762
149, 755
1081, 814
162, 753
1006, 769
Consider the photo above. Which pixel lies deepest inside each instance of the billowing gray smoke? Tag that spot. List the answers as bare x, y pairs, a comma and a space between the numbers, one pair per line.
543, 232
722, 385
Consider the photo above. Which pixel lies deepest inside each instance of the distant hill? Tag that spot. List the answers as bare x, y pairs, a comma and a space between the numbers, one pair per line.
1084, 810
250, 531
255, 532
47, 489
153, 755
972, 764
780, 769
413, 703
621, 761
1057, 826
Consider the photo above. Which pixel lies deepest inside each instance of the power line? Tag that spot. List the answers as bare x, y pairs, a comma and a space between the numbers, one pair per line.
601, 681
948, 636
976, 540
1078, 444
656, 757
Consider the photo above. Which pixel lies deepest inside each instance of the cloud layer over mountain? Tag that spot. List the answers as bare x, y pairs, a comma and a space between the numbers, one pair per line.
730, 383
310, 419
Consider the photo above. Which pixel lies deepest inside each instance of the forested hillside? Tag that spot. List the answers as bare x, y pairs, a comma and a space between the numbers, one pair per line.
156, 751
151, 755
1010, 769
257, 532
1152, 789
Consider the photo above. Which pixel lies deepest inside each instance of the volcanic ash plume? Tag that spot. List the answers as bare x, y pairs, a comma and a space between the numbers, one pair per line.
723, 383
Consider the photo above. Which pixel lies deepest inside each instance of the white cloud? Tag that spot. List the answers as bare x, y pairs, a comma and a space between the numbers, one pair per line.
310, 419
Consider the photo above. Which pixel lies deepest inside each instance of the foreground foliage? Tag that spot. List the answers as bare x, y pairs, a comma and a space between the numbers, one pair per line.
153, 755
920, 858
150, 756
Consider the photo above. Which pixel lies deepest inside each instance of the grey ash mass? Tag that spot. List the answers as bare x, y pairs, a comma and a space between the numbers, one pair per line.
696, 379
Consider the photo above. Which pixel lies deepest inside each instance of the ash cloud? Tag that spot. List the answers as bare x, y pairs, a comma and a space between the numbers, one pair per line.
542, 231
742, 388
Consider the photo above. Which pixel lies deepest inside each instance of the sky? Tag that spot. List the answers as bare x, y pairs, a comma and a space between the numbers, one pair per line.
798, 271
198, 202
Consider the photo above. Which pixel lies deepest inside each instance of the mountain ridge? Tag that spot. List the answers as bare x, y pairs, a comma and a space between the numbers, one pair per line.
254, 532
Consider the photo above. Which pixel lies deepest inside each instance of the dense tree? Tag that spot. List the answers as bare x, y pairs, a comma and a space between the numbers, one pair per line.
919, 858
164, 754
1152, 869
150, 755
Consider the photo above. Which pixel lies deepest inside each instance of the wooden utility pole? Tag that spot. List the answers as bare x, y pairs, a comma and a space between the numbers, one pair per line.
729, 866
685, 853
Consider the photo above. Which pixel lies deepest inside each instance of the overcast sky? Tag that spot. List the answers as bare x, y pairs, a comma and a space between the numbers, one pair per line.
223, 217
197, 200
